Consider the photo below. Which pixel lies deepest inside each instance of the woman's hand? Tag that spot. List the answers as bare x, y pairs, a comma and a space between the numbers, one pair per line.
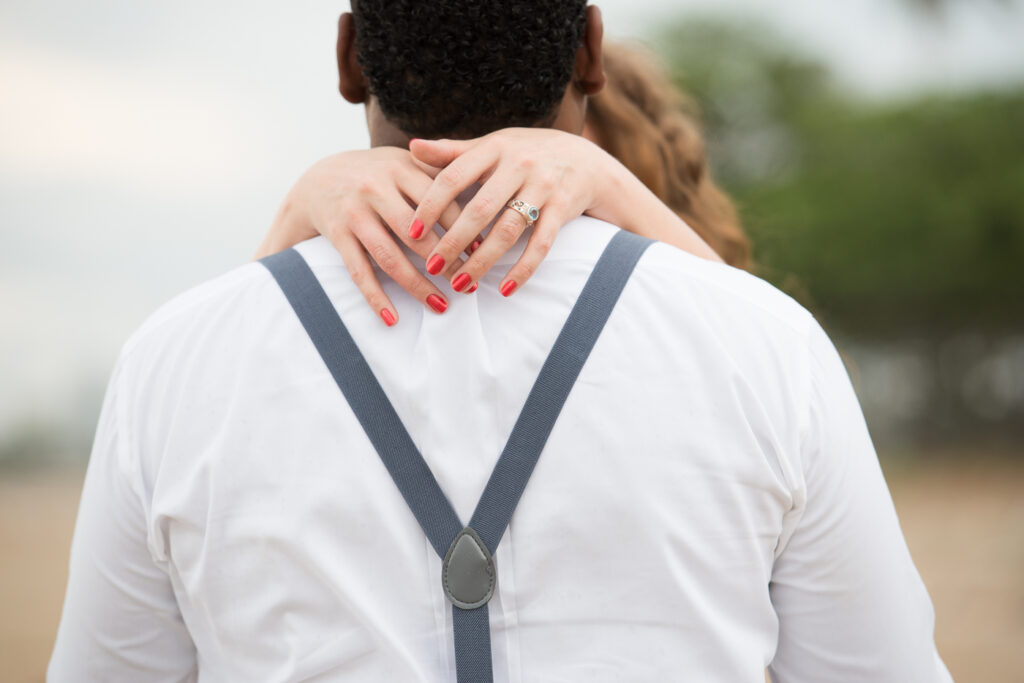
360, 200
564, 175
357, 200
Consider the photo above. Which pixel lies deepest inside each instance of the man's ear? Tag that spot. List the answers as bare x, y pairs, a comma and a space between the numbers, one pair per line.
351, 81
589, 70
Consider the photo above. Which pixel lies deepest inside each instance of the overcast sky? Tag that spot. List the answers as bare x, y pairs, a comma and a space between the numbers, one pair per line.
144, 146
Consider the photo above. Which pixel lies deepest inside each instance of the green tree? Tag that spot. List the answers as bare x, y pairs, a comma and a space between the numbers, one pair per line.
892, 217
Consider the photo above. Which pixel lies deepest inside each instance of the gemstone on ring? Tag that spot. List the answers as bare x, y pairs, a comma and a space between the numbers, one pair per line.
528, 211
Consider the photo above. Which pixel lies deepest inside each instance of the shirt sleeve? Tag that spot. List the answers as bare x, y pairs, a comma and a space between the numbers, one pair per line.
121, 621
850, 603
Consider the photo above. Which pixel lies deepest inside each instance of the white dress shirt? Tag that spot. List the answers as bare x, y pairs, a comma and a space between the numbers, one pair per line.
709, 503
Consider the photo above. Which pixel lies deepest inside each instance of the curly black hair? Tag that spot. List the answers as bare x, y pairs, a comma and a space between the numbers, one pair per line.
463, 68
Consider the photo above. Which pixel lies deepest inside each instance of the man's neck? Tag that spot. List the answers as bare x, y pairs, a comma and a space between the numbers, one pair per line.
383, 133
391, 138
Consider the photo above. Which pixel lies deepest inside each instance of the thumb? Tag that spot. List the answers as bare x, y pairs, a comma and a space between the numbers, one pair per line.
438, 153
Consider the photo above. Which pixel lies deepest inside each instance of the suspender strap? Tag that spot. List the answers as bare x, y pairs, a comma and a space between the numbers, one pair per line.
557, 377
366, 397
406, 465
472, 632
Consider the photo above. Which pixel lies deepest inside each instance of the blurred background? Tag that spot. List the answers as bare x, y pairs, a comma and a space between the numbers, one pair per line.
875, 149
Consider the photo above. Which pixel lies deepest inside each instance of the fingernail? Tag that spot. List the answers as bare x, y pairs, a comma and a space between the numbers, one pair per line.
508, 288
387, 317
459, 283
435, 264
473, 247
437, 303
472, 289
416, 229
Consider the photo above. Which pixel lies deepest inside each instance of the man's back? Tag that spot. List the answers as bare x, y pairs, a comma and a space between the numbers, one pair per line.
708, 499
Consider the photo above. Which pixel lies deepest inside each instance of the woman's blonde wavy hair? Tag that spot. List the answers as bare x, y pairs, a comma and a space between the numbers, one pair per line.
641, 119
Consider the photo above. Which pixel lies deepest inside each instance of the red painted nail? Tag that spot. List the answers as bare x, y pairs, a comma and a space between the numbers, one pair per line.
387, 317
472, 289
508, 288
416, 229
437, 303
473, 247
459, 283
435, 264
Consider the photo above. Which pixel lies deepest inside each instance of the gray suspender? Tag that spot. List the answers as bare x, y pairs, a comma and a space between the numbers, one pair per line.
468, 573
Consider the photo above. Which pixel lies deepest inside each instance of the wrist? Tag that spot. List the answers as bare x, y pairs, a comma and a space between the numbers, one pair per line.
624, 200
292, 209
613, 184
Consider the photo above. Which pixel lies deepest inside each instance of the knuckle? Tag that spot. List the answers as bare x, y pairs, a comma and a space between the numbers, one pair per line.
527, 269
384, 257
427, 207
348, 217
360, 276
334, 228
450, 178
482, 208
447, 245
543, 242
365, 186
399, 223
508, 230
525, 164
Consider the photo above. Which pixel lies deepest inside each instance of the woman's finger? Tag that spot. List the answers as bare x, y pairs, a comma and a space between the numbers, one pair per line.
506, 232
552, 218
415, 186
439, 153
449, 184
361, 271
485, 205
389, 257
503, 234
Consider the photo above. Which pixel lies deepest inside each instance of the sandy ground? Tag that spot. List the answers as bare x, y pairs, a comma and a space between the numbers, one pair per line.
963, 519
